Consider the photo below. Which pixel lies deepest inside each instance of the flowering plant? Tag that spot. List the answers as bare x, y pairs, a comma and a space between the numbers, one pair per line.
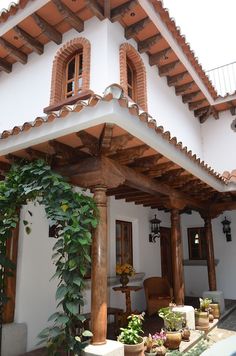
125, 269
154, 341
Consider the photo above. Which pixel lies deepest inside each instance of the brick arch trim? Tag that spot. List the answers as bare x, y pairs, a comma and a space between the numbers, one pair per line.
128, 51
59, 64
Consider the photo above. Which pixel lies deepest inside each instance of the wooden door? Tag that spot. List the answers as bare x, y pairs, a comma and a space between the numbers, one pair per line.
166, 263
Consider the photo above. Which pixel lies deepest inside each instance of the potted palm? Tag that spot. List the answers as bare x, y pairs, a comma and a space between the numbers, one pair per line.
202, 314
173, 324
131, 336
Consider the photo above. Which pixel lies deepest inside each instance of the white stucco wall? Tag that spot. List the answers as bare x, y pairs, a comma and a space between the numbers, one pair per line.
196, 278
25, 92
219, 143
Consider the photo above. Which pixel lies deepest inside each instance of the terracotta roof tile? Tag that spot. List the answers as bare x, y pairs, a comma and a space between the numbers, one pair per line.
115, 92
12, 9
229, 177
176, 33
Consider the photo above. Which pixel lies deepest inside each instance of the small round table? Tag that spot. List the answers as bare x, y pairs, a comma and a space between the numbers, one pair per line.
127, 290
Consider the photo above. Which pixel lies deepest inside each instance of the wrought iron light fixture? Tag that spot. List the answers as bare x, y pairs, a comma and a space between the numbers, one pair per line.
227, 229
155, 229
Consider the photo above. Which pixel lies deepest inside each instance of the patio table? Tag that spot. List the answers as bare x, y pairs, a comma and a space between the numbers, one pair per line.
127, 290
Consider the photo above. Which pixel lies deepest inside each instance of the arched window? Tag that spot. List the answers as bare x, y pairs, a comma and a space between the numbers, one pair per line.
71, 70
133, 75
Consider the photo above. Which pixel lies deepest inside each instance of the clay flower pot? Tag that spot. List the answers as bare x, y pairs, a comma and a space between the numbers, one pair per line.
185, 334
173, 339
161, 350
202, 320
134, 350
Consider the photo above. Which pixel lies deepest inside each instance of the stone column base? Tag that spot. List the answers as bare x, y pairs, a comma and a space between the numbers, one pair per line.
189, 315
14, 338
217, 297
111, 348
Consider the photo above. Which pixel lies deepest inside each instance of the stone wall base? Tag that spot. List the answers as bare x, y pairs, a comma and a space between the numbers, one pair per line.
111, 348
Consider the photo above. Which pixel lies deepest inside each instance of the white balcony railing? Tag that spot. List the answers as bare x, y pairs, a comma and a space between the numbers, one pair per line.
223, 78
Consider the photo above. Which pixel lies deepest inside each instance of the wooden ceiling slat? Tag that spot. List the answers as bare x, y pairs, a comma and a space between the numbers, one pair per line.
145, 45
158, 56
181, 89
96, 8
5, 66
137, 27
167, 68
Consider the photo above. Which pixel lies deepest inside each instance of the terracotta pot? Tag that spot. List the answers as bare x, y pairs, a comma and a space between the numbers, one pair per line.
211, 317
215, 310
134, 350
202, 320
161, 351
173, 340
124, 280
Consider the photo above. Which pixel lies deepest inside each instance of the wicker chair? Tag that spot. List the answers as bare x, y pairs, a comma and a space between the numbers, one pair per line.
158, 293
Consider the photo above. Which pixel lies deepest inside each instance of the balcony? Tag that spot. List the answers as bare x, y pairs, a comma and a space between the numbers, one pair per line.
223, 78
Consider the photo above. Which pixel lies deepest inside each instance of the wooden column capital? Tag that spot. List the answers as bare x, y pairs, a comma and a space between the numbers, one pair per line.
99, 270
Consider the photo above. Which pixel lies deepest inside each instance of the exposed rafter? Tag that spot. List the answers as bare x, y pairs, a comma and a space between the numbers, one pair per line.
145, 163
167, 68
5, 66
181, 89
69, 16
145, 45
187, 98
196, 104
47, 29
89, 141
106, 138
118, 12
160, 169
137, 27
158, 56
129, 155
30, 41
175, 79
96, 8
15, 52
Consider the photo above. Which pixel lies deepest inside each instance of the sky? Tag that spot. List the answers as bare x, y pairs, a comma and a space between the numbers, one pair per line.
208, 25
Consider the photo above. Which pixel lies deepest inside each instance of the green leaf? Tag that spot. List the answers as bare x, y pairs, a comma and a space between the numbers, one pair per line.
87, 333
61, 292
72, 307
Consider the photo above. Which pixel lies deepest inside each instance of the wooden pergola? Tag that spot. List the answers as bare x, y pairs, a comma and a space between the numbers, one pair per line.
111, 162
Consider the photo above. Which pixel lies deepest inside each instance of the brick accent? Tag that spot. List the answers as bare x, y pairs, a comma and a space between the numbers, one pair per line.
59, 66
128, 51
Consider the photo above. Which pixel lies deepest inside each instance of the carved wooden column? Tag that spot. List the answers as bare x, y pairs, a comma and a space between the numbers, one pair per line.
99, 271
210, 254
177, 257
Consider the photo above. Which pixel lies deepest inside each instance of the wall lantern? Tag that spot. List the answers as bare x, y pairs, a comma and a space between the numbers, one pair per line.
155, 229
227, 229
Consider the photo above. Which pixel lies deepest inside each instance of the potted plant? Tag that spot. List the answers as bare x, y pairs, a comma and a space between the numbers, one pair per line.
173, 324
125, 271
155, 344
202, 314
131, 336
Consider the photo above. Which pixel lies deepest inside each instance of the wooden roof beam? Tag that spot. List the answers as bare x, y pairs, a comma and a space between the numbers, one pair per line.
96, 9
175, 79
5, 66
187, 98
181, 89
47, 29
30, 41
118, 12
15, 52
69, 16
196, 104
106, 137
102, 170
145, 45
158, 56
167, 68
137, 27
160, 169
145, 163
129, 155
89, 141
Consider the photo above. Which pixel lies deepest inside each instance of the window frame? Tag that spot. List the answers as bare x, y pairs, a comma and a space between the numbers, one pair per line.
78, 57
130, 237
131, 86
192, 231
